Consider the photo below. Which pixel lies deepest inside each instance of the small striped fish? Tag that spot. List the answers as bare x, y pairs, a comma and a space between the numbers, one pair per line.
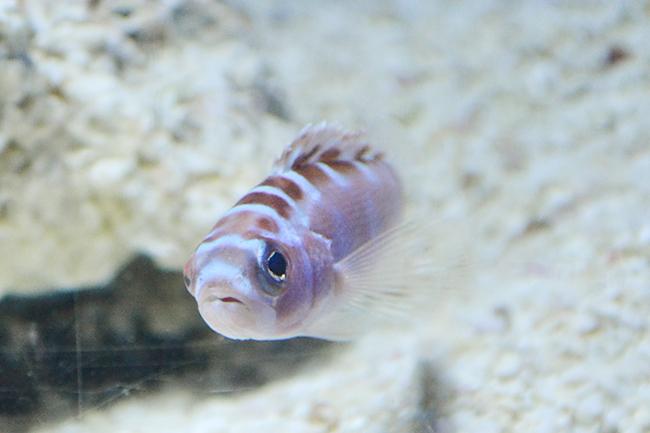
298, 254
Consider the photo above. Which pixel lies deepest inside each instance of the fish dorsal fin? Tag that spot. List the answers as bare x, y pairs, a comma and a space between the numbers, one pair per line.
325, 143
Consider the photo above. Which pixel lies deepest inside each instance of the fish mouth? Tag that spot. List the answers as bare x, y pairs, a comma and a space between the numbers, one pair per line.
235, 316
230, 299
225, 298
227, 315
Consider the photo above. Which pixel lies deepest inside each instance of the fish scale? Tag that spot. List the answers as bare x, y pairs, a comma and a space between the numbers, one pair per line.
271, 268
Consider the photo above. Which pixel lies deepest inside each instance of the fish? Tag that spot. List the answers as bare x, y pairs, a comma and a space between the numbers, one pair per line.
312, 251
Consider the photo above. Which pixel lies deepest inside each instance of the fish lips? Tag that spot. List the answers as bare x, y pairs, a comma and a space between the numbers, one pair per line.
235, 316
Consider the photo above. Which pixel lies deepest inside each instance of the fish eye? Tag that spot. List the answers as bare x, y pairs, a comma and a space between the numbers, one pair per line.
276, 265
188, 280
273, 271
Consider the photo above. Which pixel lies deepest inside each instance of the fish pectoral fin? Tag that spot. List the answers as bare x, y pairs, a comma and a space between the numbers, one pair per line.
376, 277
372, 282
396, 276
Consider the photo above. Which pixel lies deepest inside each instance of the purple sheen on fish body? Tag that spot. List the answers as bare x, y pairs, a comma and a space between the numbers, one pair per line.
271, 266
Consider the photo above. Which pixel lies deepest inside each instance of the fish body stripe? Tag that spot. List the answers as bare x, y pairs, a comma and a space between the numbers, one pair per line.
287, 186
310, 192
281, 206
240, 217
370, 174
230, 240
336, 177
348, 202
297, 216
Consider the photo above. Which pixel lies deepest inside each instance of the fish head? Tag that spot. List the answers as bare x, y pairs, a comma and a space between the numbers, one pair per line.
260, 286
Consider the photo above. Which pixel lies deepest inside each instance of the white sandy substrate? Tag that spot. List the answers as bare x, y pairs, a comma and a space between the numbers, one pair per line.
528, 121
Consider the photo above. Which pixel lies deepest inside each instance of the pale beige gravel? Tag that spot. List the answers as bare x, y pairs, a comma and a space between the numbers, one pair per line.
514, 122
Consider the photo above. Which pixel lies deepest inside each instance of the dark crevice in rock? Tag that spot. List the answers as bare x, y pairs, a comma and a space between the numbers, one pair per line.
65, 353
